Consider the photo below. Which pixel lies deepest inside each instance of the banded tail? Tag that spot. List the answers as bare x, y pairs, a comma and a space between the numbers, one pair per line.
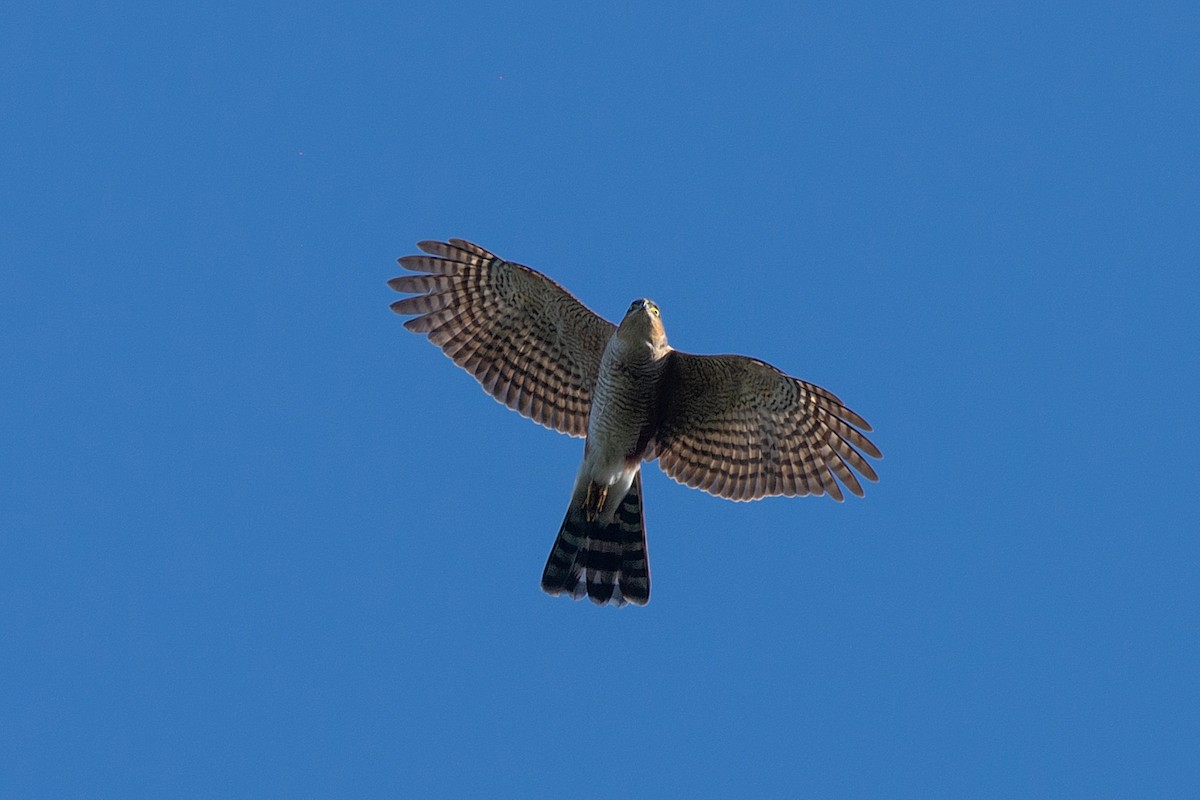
607, 562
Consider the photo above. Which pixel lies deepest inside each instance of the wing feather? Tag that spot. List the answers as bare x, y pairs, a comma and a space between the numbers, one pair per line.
527, 340
739, 428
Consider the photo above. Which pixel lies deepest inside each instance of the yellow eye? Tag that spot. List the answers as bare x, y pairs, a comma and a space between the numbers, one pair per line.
654, 310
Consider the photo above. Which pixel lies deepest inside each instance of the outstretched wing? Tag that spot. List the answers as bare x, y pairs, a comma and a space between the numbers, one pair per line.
739, 428
527, 340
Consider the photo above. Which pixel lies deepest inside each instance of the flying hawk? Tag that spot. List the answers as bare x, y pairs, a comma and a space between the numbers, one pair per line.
730, 425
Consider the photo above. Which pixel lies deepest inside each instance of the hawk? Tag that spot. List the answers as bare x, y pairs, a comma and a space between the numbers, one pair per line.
733, 426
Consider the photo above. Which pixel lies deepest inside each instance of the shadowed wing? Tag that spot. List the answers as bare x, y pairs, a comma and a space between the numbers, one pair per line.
527, 340
739, 428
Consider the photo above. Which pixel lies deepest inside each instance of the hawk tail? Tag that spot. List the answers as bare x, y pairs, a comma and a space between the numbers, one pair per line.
607, 562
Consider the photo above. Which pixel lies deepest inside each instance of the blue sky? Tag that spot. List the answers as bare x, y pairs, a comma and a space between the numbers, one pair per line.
258, 540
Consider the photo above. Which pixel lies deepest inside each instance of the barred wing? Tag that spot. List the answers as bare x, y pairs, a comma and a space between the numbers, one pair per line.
527, 340
739, 428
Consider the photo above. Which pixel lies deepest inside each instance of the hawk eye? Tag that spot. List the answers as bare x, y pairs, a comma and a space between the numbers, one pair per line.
654, 310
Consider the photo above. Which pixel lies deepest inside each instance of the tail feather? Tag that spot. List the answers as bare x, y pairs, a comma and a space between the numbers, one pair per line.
608, 563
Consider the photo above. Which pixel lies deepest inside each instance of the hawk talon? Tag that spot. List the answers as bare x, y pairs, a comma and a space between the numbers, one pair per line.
593, 504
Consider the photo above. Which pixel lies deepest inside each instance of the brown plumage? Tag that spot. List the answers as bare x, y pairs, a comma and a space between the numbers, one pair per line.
530, 344
730, 425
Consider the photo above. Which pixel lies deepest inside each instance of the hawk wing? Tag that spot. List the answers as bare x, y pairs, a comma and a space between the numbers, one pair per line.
739, 428
527, 340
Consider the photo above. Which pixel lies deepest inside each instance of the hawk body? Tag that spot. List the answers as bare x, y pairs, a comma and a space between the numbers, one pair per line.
733, 426
625, 402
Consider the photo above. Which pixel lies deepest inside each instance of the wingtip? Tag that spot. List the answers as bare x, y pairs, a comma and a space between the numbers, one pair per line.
415, 263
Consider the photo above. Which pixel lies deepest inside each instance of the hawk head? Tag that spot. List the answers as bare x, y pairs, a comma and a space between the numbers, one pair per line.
643, 322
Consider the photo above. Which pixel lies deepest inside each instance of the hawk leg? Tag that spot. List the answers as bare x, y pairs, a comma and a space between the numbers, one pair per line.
593, 503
